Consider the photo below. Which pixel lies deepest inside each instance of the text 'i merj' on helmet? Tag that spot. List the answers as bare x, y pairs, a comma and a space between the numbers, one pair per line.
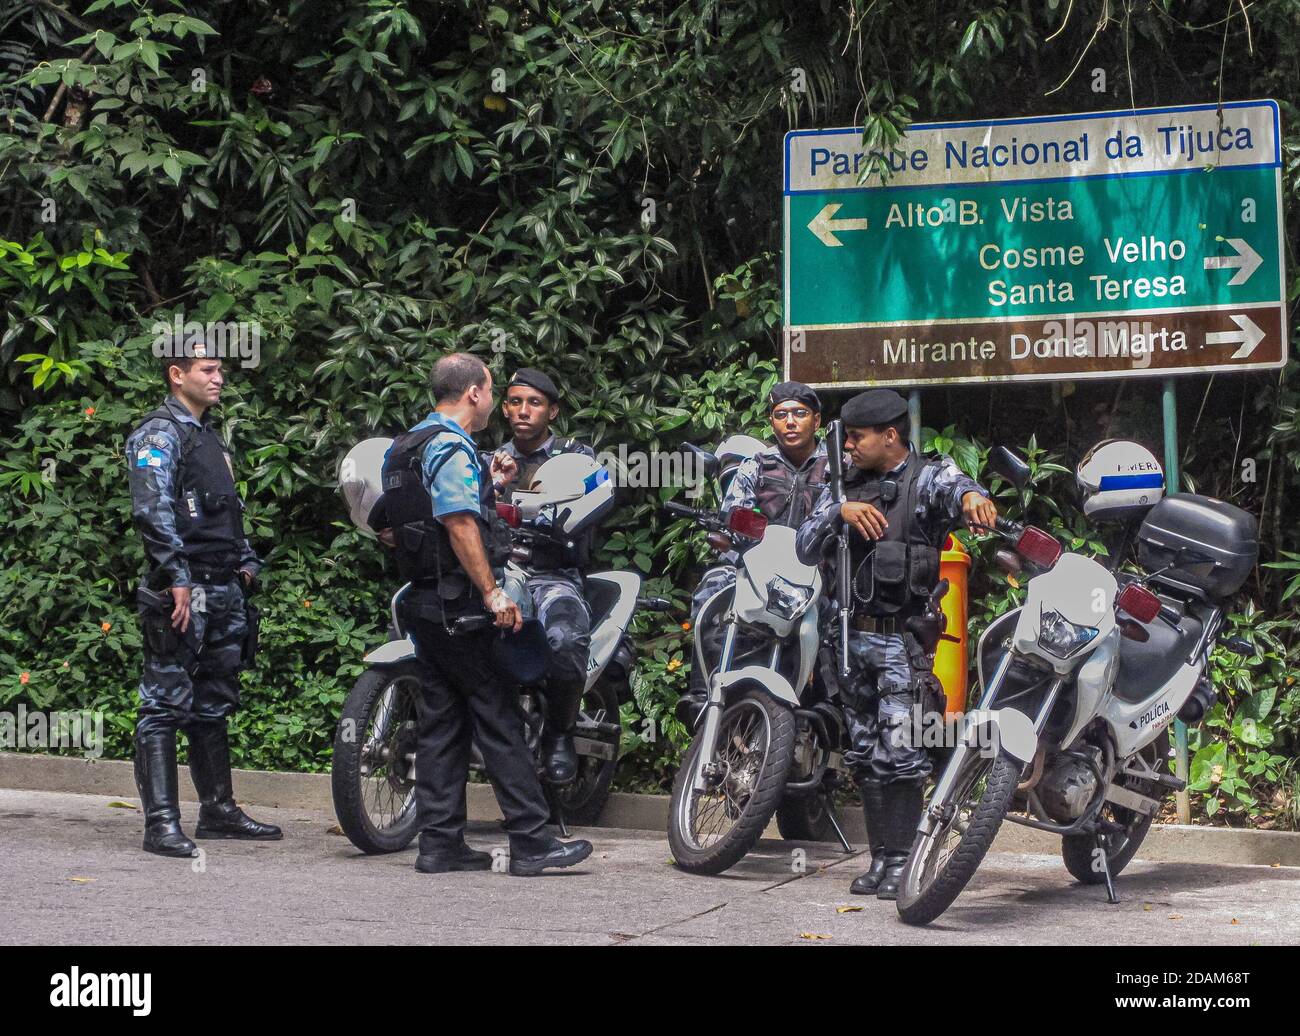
569, 482
732, 452
1119, 478
361, 479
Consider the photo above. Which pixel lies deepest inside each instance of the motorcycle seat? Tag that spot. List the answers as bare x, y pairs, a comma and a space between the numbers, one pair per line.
601, 598
1146, 666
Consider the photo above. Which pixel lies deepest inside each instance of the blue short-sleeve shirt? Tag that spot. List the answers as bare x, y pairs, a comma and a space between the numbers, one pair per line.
452, 455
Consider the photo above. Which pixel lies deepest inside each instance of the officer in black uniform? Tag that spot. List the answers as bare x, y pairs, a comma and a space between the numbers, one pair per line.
901, 507
783, 482
199, 631
439, 512
554, 575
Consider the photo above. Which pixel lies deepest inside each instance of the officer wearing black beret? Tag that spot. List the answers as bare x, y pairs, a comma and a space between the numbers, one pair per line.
901, 507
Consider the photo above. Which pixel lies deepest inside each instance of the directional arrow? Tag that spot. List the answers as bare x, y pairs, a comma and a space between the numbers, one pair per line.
1248, 337
1245, 262
824, 226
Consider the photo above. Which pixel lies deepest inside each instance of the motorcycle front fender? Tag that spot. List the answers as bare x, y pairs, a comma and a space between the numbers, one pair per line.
395, 652
1008, 731
770, 681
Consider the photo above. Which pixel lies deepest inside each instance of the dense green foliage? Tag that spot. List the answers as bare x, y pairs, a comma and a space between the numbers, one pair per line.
587, 187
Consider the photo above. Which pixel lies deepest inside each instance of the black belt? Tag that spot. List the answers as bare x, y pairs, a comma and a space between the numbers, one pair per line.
879, 624
212, 576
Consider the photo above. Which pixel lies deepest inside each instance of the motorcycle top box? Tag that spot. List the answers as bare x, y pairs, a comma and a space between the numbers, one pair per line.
1211, 546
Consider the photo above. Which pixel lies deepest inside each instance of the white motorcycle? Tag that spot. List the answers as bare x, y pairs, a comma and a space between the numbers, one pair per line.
767, 736
1079, 686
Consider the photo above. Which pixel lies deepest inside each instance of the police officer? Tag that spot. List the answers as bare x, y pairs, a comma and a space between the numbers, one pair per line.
439, 507
783, 481
193, 612
554, 573
901, 507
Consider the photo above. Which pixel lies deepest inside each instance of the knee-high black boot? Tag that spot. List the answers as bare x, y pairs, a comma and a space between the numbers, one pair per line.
903, 814
155, 777
873, 809
559, 756
219, 816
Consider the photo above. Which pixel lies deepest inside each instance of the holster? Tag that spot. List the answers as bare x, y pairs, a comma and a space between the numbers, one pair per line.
154, 609
928, 627
253, 618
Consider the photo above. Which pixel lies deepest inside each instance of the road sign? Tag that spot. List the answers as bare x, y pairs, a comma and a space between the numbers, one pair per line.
1141, 242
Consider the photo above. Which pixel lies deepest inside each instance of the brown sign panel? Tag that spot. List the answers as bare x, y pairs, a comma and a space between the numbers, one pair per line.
1104, 345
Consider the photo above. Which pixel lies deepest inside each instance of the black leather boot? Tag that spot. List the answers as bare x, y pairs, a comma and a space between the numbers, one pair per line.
559, 854
219, 817
873, 808
559, 756
902, 814
155, 777
461, 858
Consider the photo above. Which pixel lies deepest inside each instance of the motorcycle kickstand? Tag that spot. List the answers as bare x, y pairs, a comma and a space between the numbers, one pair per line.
829, 806
557, 814
1111, 895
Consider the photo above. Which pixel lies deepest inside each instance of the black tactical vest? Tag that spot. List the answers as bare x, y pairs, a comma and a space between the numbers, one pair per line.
899, 572
423, 548
784, 498
209, 515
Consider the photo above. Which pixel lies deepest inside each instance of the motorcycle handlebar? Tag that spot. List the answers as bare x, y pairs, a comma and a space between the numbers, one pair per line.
681, 510
1009, 527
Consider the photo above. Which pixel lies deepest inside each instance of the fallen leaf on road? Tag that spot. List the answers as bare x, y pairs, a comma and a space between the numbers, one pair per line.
1234, 921
812, 935
334, 829
81, 881
119, 804
847, 910
1146, 906
1175, 917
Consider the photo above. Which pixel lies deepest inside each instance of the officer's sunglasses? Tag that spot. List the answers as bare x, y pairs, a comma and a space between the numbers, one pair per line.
798, 413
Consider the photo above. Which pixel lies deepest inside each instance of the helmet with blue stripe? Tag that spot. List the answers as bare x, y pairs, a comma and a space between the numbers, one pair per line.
1119, 479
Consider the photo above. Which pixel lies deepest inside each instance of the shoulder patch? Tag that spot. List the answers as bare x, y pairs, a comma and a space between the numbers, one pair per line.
149, 457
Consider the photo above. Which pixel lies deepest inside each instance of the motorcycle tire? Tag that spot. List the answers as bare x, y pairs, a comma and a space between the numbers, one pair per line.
355, 772
1077, 850
583, 799
919, 906
774, 724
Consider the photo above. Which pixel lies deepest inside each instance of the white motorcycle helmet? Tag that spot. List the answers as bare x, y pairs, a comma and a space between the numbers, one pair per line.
1119, 478
568, 483
361, 480
733, 451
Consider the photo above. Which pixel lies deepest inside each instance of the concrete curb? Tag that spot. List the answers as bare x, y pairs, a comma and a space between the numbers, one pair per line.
1167, 843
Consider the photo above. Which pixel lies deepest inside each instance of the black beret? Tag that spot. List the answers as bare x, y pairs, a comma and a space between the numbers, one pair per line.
538, 380
795, 390
873, 407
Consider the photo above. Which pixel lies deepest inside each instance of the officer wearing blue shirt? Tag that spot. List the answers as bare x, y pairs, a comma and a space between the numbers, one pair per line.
438, 512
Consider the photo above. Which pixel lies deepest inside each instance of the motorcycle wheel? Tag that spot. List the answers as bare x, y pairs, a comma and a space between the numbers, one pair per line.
372, 775
583, 799
712, 830
1121, 847
943, 862
804, 818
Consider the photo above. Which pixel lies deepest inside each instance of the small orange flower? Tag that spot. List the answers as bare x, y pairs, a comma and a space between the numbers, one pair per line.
90, 411
686, 626
25, 678
66, 665
306, 604
106, 626
674, 665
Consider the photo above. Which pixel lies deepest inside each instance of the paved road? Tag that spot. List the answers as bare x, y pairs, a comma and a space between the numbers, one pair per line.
75, 874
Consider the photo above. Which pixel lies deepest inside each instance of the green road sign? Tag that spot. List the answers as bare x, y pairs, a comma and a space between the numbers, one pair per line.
1093, 245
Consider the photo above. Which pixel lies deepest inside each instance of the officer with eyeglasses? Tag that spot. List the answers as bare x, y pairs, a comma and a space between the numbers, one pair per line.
901, 506
783, 482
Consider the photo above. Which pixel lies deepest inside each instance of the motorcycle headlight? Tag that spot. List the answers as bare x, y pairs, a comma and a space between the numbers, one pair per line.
1061, 637
787, 599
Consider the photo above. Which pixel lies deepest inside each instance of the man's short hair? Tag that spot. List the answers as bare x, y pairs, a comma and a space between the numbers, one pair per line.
455, 374
168, 362
903, 426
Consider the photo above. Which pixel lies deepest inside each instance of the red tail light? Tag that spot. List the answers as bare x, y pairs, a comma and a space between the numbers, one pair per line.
747, 523
1138, 601
1039, 547
509, 514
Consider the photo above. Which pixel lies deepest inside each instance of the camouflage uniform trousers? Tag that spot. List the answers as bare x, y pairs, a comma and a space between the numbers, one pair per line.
878, 708
561, 608
178, 691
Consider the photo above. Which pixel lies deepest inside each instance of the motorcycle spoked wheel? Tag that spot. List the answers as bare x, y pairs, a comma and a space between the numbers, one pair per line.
943, 862
1121, 847
371, 777
712, 830
583, 799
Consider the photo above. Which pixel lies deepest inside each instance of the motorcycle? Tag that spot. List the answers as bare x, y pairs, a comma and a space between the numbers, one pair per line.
769, 739
1080, 684
373, 772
